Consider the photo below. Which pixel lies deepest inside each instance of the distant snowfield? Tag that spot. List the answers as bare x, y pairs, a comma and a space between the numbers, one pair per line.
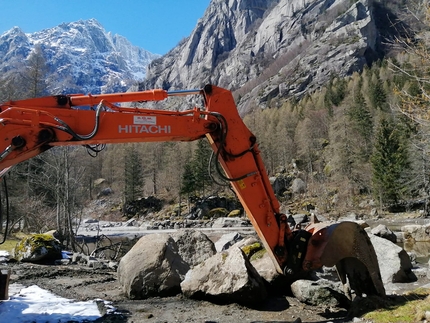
35, 305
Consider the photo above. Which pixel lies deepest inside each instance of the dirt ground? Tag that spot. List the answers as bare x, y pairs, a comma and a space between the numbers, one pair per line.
83, 283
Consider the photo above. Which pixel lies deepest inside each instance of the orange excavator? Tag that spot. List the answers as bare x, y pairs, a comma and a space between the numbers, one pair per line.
29, 127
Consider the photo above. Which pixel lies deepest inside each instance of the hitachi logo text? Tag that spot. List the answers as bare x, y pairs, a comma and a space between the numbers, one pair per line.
135, 128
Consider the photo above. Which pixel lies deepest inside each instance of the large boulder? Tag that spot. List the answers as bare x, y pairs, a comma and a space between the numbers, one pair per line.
227, 277
227, 240
280, 183
384, 232
247, 241
258, 256
276, 283
298, 186
394, 262
319, 293
152, 267
38, 248
194, 246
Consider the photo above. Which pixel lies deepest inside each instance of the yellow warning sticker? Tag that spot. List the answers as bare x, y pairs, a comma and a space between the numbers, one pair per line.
241, 184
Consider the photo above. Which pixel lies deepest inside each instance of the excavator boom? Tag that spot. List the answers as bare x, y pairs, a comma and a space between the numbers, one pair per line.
29, 127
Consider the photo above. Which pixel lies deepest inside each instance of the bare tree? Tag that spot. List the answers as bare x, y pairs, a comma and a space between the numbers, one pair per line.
58, 183
35, 73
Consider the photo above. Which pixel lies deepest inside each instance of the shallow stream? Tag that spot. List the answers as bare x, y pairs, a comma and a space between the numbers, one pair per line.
421, 249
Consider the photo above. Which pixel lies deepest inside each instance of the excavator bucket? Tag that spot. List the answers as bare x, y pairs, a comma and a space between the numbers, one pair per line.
347, 246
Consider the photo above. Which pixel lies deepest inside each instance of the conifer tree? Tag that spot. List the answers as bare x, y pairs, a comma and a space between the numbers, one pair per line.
389, 161
188, 185
335, 94
377, 95
200, 166
133, 174
362, 121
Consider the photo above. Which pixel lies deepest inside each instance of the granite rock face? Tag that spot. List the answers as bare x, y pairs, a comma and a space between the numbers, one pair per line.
264, 49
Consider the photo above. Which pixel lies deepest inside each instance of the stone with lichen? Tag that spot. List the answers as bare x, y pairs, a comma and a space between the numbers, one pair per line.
37, 248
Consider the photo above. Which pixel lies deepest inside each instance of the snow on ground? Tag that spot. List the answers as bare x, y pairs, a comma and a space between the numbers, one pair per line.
34, 304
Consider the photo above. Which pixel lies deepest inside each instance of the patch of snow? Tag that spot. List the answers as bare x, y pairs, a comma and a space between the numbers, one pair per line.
66, 254
34, 304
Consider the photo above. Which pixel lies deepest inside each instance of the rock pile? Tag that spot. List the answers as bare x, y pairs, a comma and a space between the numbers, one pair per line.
236, 269
188, 262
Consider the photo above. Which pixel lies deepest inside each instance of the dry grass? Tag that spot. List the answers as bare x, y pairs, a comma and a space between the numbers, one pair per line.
410, 307
9, 245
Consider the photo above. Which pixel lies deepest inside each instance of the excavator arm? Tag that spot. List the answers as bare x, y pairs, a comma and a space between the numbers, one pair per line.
29, 127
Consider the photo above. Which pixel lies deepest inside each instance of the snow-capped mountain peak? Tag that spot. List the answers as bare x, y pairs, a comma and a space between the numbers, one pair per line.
81, 57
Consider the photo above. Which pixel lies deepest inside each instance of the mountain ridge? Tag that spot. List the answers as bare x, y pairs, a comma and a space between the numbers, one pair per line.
81, 57
261, 50
272, 49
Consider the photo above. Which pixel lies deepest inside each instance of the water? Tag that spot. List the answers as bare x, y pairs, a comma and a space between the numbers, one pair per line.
113, 247
421, 249
117, 245
396, 225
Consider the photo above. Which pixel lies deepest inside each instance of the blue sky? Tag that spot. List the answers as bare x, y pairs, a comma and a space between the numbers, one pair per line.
155, 25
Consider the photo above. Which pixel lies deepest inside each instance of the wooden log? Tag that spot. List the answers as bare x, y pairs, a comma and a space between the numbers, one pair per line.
4, 284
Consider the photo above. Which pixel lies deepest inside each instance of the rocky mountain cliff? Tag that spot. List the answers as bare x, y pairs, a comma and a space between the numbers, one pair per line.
81, 57
266, 49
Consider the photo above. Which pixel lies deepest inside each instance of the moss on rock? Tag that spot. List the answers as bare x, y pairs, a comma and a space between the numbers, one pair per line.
37, 248
257, 255
251, 251
218, 212
235, 213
